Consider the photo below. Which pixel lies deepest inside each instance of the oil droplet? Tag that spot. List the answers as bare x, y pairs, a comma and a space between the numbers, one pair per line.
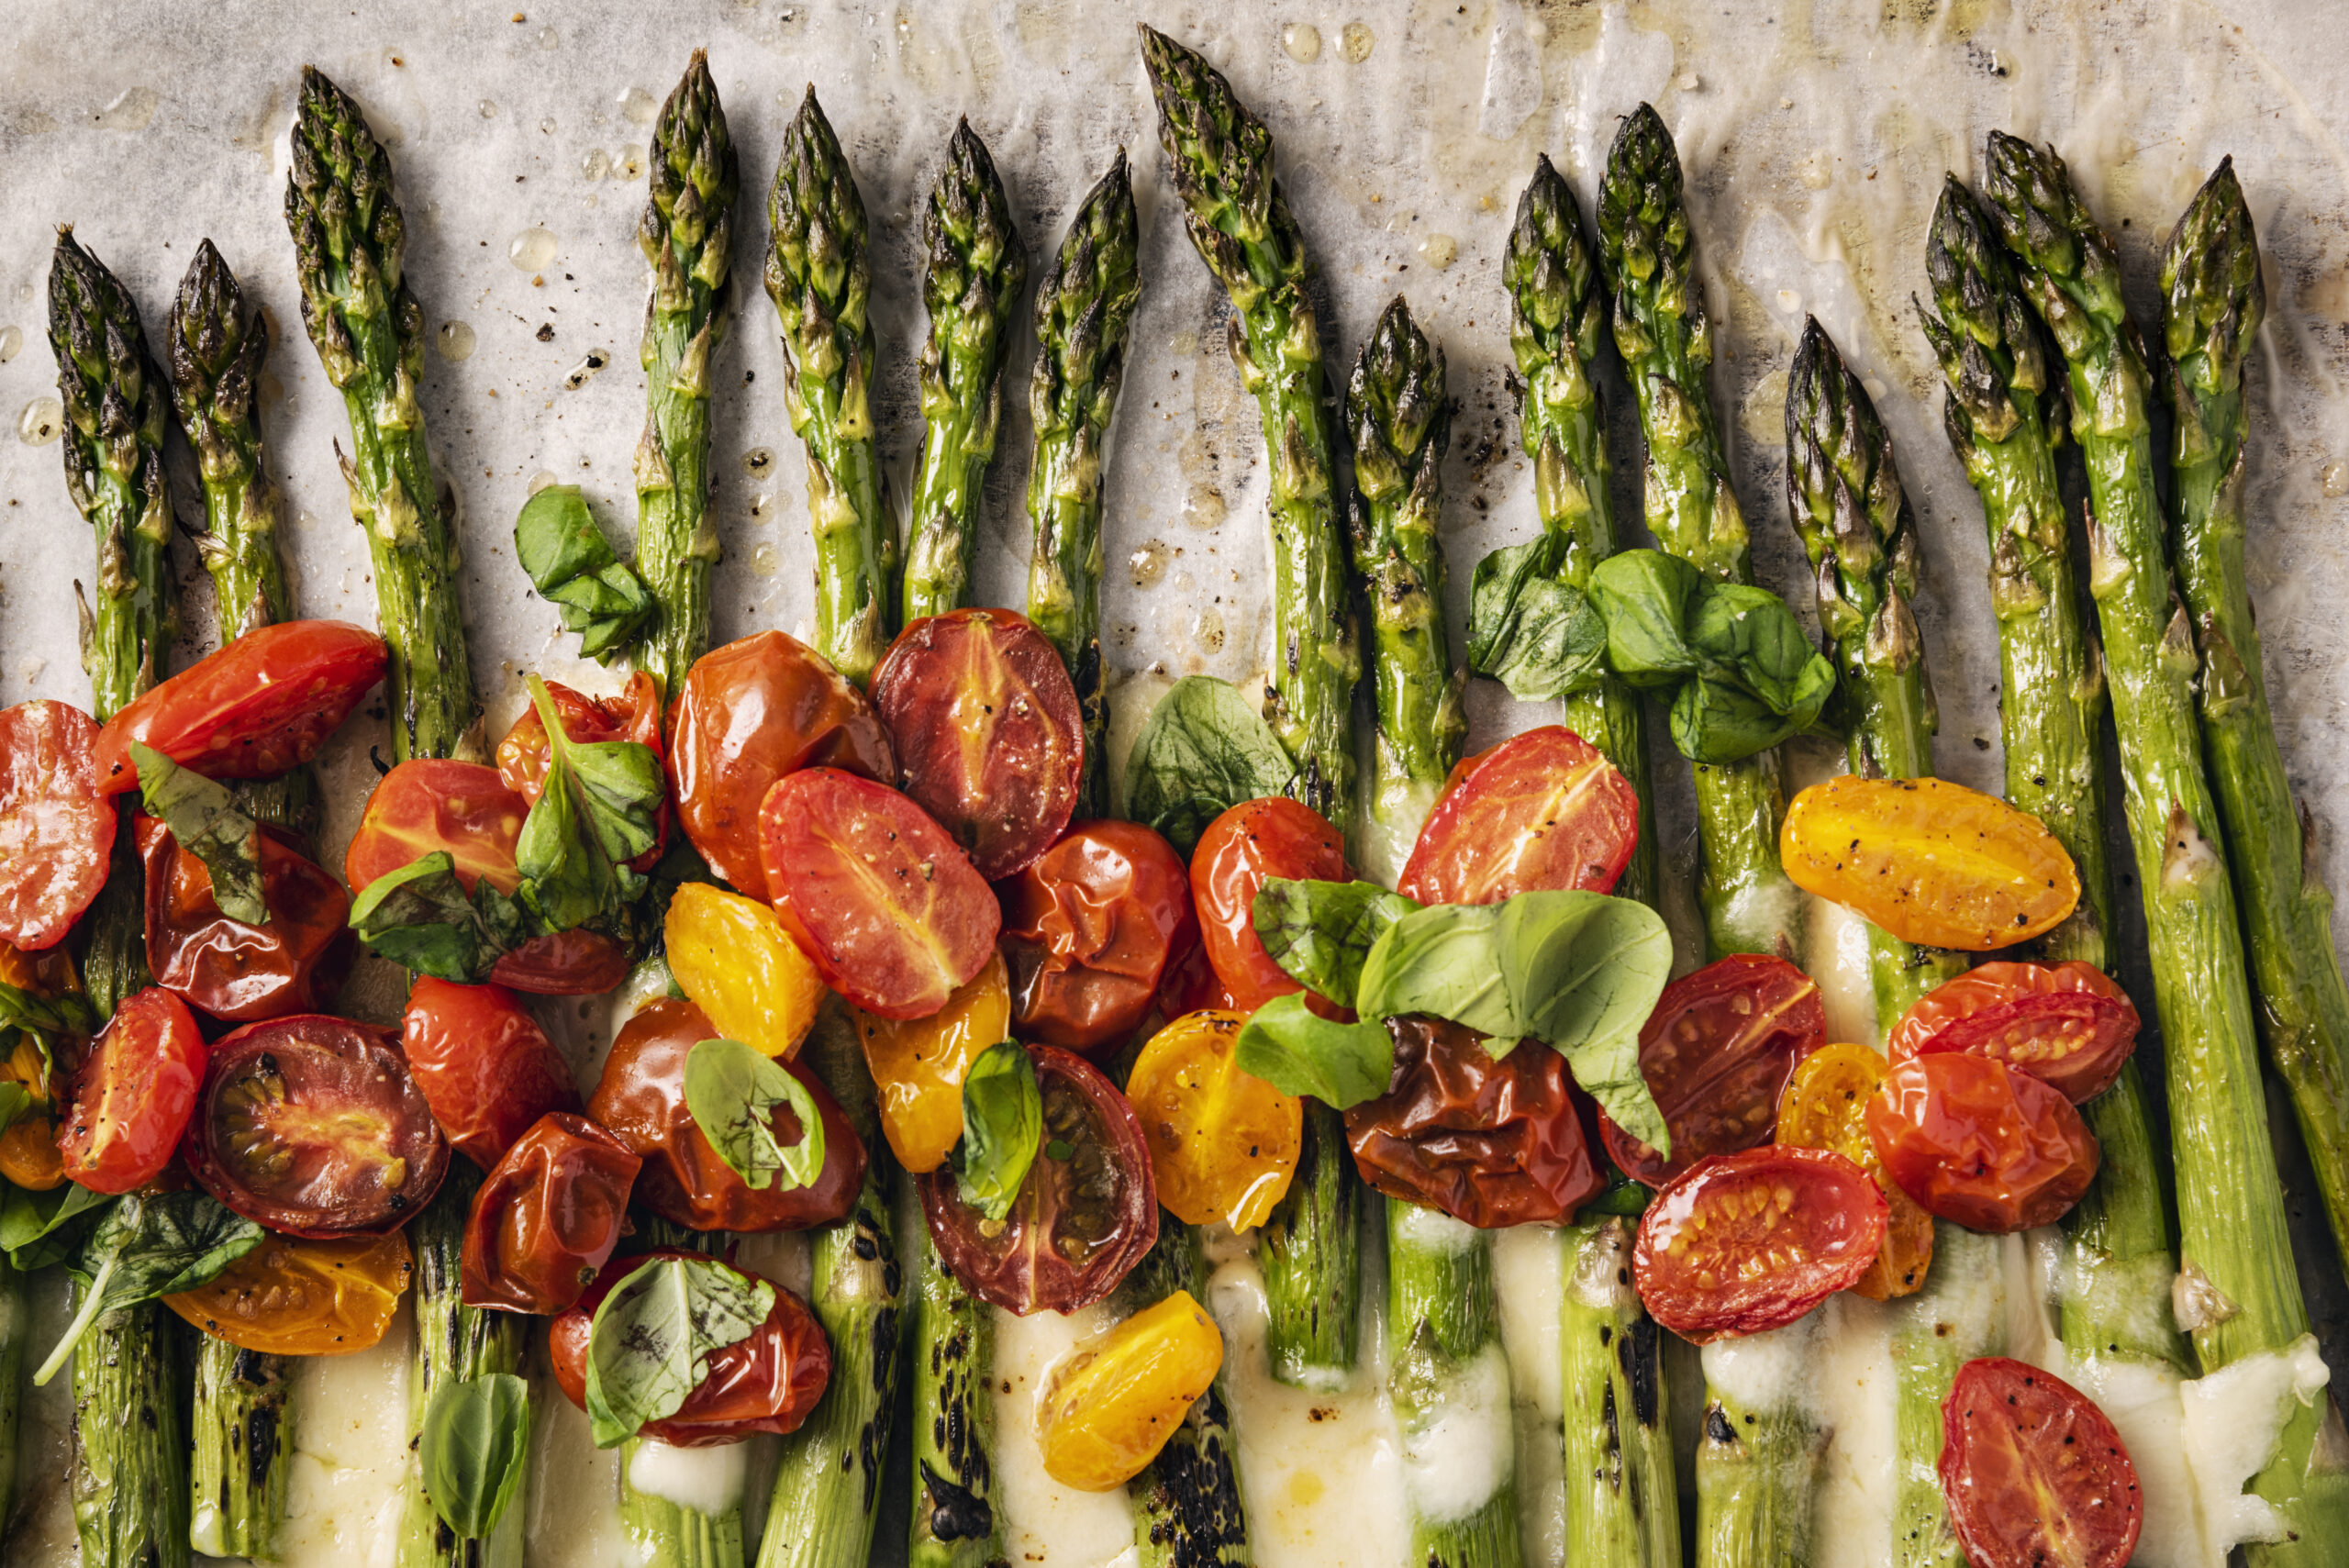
129, 111
1185, 343
762, 508
2335, 476
758, 462
1789, 301
638, 105
1184, 583
43, 422
542, 479
273, 391
630, 165
546, 126
1203, 508
584, 371
12, 343
1441, 251
1303, 42
549, 39
1147, 564
489, 108
532, 249
1209, 630
455, 341
764, 560
596, 164
1356, 42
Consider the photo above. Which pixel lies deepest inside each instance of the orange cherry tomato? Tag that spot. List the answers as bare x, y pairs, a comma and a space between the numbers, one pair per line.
524, 756
1543, 811
483, 1065
56, 830
1223, 1143
28, 1156
732, 959
1091, 929
2034, 1472
1111, 1403
290, 1298
134, 1094
294, 963
548, 1217
1252, 841
1978, 1142
2071, 1027
1746, 1243
1825, 1107
918, 1065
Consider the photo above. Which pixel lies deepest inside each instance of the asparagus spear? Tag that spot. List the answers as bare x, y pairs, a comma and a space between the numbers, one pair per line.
1187, 1502
956, 1522
242, 1450
977, 268
2230, 1219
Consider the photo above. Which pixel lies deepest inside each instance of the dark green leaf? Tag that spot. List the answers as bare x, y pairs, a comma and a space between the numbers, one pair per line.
1621, 1196
15, 1101
40, 1228
1721, 721
203, 817
1003, 1127
574, 568
1319, 932
1537, 635
1444, 961
150, 1245
649, 1342
474, 1444
420, 917
597, 810
1754, 632
1644, 595
1298, 1052
732, 1091
1587, 970
1202, 752
69, 1014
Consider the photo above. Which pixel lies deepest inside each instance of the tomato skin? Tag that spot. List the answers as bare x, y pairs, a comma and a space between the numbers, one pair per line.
733, 959
260, 706
1090, 929
483, 1064
1252, 841
1812, 1219
919, 1066
641, 1098
1826, 1107
1542, 811
1111, 1405
295, 963
1079, 1224
524, 756
749, 713
56, 830
2034, 1472
1978, 1142
133, 1095
2071, 1025
548, 1217
563, 963
1223, 1143
303, 1299
767, 1383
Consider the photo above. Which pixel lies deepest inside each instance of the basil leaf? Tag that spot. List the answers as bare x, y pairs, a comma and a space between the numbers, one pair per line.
1444, 961
1539, 637
1319, 932
732, 1090
1755, 633
597, 810
1719, 721
1299, 1052
420, 917
1621, 1196
1644, 595
149, 1246
67, 1014
1201, 751
649, 1342
15, 1101
574, 568
1003, 1127
40, 1228
203, 817
1587, 970
621, 788
473, 1446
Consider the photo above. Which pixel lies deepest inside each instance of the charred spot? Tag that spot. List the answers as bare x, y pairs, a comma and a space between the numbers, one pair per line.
1716, 1427
1637, 1351
954, 1512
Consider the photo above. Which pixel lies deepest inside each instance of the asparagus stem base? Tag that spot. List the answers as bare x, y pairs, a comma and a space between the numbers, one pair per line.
243, 1443
1312, 1257
1623, 1498
129, 1476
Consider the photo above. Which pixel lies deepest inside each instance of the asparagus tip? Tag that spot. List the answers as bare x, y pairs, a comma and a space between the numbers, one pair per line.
2213, 296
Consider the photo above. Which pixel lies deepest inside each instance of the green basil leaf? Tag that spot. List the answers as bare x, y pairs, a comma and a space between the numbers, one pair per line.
40, 1228
597, 810
1721, 721
567, 880
1753, 633
1319, 932
1299, 1052
573, 567
1201, 751
1587, 970
1621, 1196
15, 1101
621, 788
732, 1090
1644, 595
151, 1245
1539, 637
649, 1342
473, 1447
1444, 961
420, 917
1003, 1127
44, 1016
203, 817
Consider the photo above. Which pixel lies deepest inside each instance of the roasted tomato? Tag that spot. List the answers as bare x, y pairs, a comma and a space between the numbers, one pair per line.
1084, 1216
524, 756
55, 829
641, 1098
483, 1064
1255, 841
295, 963
1111, 1403
2070, 1026
1541, 812
547, 1217
134, 1094
1223, 1143
1090, 929
258, 707
1716, 1053
918, 1065
989, 739
303, 1299
1975, 1141
28, 1156
874, 891
1826, 1107
1751, 1241
749, 713
311, 1126
566, 964
767, 1383
2034, 1472
732, 959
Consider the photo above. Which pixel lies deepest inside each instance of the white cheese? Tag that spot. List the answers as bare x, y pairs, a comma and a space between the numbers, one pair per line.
1851, 1394
346, 1487
1529, 1279
1769, 1371
2142, 1401
1046, 1524
2233, 1417
709, 1479
1454, 1462
574, 1501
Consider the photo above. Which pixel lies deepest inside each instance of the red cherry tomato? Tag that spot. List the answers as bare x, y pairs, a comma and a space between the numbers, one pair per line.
1084, 1216
1241, 849
1541, 812
134, 1094
56, 830
1717, 1052
989, 738
1746, 1243
258, 707
294, 963
311, 1126
883, 904
1975, 1141
2034, 1472
1089, 931
548, 1217
767, 1383
749, 713
483, 1064
524, 756
2070, 1026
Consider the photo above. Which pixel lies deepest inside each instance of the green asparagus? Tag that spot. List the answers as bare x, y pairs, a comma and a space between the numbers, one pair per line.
243, 1451
1187, 1502
956, 1522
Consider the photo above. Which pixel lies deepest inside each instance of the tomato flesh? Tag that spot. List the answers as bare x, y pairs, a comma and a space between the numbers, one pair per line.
2034, 1472
294, 963
483, 1064
1111, 1403
1223, 1143
1826, 1107
56, 830
1543, 811
524, 756
1090, 929
1741, 1243
1255, 841
732, 958
291, 1297
548, 1217
919, 1066
134, 1094
2070, 1026
1978, 1142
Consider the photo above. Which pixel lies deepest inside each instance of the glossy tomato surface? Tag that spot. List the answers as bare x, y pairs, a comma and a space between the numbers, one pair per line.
1544, 811
1975, 1141
482, 1063
134, 1094
886, 905
747, 713
1746, 1243
1089, 931
524, 756
292, 963
919, 1066
548, 1217
2034, 1472
767, 1383
1223, 1142
56, 830
1084, 1216
311, 1126
1252, 841
289, 1297
258, 707
1826, 1107
641, 1098
2069, 1025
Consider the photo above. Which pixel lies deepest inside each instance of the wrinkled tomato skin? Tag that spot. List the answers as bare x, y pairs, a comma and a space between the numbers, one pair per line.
2071, 1025
641, 1098
767, 1383
747, 713
563, 963
56, 830
258, 707
1079, 1225
133, 1095
2034, 1472
1975, 1141
548, 1217
1252, 841
1090, 931
1544, 811
483, 1065
295, 963
524, 756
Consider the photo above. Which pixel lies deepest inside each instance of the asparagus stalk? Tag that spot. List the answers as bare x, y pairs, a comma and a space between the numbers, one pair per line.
956, 1523
14, 1323
1187, 1503
242, 1453
1444, 1347
1622, 1496
977, 268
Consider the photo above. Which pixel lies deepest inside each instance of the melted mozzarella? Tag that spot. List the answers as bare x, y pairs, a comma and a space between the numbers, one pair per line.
709, 1479
1454, 1462
346, 1487
2233, 1417
1386, 830
1529, 1278
2143, 1403
1046, 1524
1852, 1388
575, 1499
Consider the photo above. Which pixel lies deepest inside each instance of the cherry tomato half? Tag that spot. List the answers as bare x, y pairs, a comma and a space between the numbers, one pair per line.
767, 1383
2071, 1027
1981, 1143
2034, 1472
56, 830
28, 1156
1110, 1406
919, 1066
1089, 930
287, 1297
1826, 1107
1544, 811
548, 1217
134, 1094
1716, 1053
294, 963
1223, 1143
747, 713
1746, 1243
1084, 1216
258, 707
1255, 841
524, 756
311, 1126
483, 1065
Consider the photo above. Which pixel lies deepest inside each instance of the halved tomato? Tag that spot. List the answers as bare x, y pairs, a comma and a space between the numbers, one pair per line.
732, 958
1249, 844
1090, 929
288, 1297
524, 756
2071, 1027
2034, 1472
919, 1066
1976, 1141
483, 1065
56, 830
1826, 1107
134, 1094
1223, 1143
1544, 811
548, 1217
1109, 1405
294, 963
1747, 1242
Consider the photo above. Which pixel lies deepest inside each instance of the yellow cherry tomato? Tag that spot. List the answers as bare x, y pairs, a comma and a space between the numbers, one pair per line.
28, 1156
733, 959
1223, 1143
1110, 1405
1928, 861
1824, 1105
303, 1299
918, 1064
